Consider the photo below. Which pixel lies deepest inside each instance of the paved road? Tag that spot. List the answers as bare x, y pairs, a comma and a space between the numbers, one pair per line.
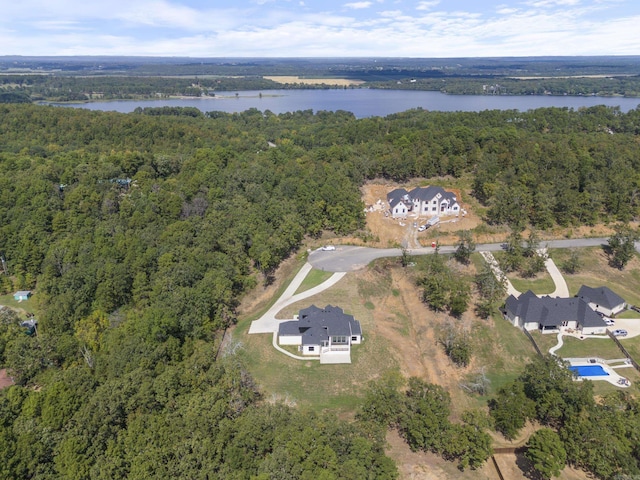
348, 258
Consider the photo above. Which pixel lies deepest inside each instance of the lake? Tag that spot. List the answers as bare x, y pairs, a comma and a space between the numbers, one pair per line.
363, 102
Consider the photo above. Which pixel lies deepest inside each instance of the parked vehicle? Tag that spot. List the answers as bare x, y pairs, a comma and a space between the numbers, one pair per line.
433, 221
609, 322
423, 228
620, 333
328, 248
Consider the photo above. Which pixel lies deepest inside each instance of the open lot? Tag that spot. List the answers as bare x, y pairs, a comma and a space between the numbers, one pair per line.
389, 231
401, 334
313, 81
23, 308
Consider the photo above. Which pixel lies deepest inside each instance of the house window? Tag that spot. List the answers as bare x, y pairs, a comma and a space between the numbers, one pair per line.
339, 339
433, 209
354, 339
312, 349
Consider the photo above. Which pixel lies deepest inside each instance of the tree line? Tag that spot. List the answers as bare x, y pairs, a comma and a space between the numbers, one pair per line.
141, 232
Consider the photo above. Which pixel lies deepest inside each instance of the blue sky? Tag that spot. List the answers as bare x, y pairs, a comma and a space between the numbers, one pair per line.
320, 28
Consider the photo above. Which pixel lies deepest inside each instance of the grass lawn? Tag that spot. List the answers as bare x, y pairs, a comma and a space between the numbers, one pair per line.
633, 347
313, 278
628, 314
23, 307
589, 347
308, 383
544, 341
604, 388
541, 285
503, 350
595, 271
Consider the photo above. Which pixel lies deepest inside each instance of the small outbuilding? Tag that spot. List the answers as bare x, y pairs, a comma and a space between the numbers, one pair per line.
22, 295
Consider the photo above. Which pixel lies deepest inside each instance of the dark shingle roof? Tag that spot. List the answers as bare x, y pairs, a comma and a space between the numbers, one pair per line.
428, 193
549, 311
316, 324
601, 296
396, 196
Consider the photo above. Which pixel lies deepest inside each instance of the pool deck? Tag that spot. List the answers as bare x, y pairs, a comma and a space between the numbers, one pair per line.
609, 366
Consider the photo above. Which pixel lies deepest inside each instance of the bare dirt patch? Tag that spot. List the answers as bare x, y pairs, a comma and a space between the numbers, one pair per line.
388, 231
427, 466
314, 81
5, 379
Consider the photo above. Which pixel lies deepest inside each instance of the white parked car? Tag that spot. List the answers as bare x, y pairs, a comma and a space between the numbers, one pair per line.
609, 322
620, 333
328, 248
422, 228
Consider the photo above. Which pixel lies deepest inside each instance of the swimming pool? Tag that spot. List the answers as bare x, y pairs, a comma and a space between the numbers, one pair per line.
589, 370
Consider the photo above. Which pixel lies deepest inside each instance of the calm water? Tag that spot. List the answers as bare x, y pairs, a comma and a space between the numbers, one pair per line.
363, 102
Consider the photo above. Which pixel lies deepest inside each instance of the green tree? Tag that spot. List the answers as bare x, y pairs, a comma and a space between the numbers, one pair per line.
456, 344
491, 291
573, 263
546, 452
622, 245
465, 247
510, 409
383, 401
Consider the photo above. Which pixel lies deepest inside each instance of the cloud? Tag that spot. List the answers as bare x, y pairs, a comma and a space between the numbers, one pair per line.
427, 5
358, 5
283, 28
552, 3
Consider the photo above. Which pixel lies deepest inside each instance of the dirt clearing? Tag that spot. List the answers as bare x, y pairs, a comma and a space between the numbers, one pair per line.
342, 82
388, 231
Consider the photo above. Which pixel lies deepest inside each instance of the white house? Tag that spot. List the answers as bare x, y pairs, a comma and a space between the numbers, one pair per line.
548, 314
602, 299
326, 332
422, 201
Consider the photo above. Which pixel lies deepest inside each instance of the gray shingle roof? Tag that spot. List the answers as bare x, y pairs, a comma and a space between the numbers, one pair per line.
316, 324
396, 196
423, 194
600, 296
549, 311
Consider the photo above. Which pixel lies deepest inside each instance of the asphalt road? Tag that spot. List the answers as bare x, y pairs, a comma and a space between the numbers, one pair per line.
347, 258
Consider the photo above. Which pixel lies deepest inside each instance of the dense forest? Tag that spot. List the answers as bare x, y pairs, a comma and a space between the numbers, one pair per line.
141, 232
73, 79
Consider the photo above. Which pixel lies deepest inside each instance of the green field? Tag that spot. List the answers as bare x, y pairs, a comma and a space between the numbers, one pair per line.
313, 278
595, 271
23, 308
541, 285
589, 347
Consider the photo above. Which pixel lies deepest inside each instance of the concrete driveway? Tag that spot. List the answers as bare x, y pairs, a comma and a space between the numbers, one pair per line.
631, 325
268, 323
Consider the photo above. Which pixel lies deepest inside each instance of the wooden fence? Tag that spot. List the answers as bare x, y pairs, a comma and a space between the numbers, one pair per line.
624, 350
535, 345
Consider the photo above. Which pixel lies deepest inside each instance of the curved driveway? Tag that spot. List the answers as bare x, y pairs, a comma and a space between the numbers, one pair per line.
347, 258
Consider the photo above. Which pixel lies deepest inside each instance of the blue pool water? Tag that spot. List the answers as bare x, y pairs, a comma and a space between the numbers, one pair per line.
589, 370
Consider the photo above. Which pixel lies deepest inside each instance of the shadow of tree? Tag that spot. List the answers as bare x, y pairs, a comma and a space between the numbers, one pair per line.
525, 465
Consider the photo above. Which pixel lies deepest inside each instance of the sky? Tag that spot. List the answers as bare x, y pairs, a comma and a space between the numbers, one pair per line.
320, 28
